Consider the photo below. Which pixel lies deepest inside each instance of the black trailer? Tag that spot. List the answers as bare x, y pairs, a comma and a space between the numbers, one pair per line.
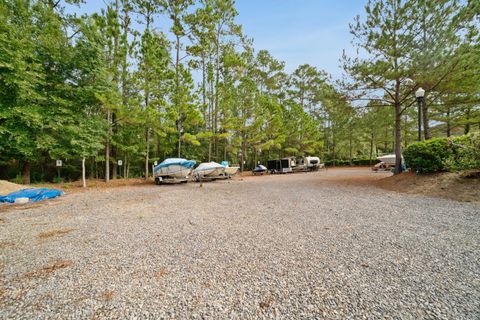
274, 166
280, 166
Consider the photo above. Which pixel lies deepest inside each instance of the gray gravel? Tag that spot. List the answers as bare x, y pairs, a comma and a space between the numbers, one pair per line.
286, 247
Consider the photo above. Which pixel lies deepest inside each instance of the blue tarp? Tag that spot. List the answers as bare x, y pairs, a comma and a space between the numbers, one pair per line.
175, 161
34, 194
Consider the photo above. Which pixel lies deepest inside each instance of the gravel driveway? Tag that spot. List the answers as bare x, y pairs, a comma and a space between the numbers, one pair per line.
289, 247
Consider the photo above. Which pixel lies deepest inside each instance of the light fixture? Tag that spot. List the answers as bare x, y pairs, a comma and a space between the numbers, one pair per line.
420, 93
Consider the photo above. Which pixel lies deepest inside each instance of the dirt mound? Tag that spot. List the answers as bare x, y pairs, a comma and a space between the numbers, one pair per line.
456, 186
7, 187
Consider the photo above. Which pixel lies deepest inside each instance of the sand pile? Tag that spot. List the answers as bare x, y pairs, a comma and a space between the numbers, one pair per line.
7, 187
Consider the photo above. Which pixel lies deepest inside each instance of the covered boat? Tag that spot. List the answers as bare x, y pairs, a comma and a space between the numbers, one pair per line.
173, 170
230, 171
388, 159
209, 170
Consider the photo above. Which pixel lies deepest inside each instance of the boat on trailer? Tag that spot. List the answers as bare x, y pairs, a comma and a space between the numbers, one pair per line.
173, 170
209, 171
386, 162
388, 159
229, 171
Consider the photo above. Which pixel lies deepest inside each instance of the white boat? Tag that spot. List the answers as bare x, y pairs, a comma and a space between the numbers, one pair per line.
173, 169
208, 169
230, 171
388, 159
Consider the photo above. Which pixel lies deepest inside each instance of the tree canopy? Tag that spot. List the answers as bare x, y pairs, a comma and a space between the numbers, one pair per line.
108, 86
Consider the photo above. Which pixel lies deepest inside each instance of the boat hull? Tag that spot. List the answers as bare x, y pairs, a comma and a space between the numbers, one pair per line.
388, 159
209, 170
231, 170
174, 171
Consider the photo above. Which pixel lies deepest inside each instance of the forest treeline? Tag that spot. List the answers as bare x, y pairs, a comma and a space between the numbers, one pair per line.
92, 89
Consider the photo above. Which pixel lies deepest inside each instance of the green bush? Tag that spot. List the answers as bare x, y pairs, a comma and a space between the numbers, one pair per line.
355, 162
465, 153
428, 156
444, 154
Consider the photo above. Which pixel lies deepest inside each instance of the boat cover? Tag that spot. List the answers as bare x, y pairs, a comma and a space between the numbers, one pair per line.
225, 163
34, 194
260, 168
389, 158
175, 161
208, 166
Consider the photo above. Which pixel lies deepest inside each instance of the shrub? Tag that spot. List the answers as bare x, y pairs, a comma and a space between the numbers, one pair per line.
428, 156
465, 153
442, 154
355, 162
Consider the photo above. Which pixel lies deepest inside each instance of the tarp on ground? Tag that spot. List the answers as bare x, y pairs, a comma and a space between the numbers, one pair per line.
34, 194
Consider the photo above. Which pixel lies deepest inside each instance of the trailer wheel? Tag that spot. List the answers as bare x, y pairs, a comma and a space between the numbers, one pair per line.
157, 181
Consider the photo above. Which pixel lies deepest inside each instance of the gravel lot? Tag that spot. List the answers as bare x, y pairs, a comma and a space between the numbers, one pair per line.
288, 247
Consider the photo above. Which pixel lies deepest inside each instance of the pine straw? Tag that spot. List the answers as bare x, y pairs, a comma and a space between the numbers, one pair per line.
455, 186
53, 233
52, 267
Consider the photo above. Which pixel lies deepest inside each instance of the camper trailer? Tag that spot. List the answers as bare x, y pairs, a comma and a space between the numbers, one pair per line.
307, 164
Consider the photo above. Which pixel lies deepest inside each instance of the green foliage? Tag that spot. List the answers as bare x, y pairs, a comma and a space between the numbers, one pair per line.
110, 86
465, 153
442, 154
428, 156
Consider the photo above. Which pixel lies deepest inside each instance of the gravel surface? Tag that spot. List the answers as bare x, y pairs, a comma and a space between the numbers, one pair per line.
289, 247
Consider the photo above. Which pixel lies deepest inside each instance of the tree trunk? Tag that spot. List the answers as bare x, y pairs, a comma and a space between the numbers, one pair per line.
107, 149
467, 122
217, 81
147, 153
84, 180
177, 93
350, 147
114, 165
242, 158
426, 128
26, 172
449, 128
398, 138
125, 167
92, 169
385, 143
371, 147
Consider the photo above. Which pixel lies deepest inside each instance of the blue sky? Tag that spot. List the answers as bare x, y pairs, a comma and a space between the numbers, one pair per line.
294, 31
301, 31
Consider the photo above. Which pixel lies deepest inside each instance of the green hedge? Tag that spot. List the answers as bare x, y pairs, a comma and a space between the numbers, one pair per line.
355, 162
444, 154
